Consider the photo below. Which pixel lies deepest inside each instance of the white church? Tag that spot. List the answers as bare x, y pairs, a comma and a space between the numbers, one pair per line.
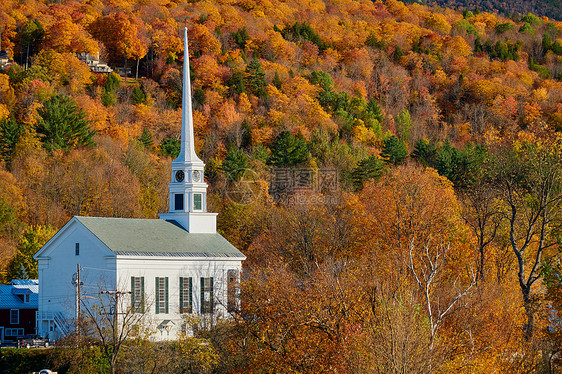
168, 269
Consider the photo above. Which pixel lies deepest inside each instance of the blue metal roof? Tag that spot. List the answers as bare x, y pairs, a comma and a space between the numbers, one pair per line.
12, 295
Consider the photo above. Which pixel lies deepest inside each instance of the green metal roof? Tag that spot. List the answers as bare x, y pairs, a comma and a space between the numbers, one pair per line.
156, 237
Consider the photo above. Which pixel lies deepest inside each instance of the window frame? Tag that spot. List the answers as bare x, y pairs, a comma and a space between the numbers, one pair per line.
186, 295
17, 316
137, 294
162, 295
207, 297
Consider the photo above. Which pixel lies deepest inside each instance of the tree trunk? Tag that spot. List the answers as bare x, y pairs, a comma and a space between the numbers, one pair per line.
137, 72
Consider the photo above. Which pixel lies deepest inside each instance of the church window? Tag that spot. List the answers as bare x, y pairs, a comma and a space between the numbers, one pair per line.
197, 201
14, 316
161, 295
137, 294
186, 292
178, 201
232, 290
77, 249
207, 305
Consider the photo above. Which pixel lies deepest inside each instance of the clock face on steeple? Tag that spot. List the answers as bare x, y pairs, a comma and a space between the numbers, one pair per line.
196, 176
180, 176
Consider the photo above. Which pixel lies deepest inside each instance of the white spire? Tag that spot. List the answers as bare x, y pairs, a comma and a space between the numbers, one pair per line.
187, 152
188, 190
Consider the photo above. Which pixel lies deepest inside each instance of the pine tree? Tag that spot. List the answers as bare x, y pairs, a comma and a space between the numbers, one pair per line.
235, 164
288, 150
394, 151
63, 124
255, 78
9, 136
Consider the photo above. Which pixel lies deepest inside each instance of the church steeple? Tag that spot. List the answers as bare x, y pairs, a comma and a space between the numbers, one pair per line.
188, 190
187, 152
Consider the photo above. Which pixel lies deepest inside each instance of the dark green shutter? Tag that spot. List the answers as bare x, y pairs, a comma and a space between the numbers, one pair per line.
190, 297
142, 295
166, 295
181, 295
211, 305
133, 293
157, 296
203, 295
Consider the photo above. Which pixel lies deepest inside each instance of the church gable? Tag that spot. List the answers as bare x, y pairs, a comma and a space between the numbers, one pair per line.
73, 239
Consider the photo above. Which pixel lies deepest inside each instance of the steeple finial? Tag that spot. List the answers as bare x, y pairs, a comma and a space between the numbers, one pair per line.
187, 152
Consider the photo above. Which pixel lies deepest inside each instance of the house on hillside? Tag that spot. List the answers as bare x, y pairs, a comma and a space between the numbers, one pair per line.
18, 306
167, 269
94, 63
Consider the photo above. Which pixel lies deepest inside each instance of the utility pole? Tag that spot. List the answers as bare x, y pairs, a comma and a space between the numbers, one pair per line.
78, 284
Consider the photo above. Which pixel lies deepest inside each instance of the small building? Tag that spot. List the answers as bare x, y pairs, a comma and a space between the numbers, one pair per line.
5, 61
94, 63
18, 307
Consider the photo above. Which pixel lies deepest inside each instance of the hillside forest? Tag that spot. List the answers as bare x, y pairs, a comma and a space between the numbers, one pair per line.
392, 171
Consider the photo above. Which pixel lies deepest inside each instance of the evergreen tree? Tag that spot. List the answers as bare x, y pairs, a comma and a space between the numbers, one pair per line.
170, 147
63, 125
369, 168
255, 78
112, 82
425, 152
288, 150
9, 136
146, 139
138, 95
235, 164
394, 151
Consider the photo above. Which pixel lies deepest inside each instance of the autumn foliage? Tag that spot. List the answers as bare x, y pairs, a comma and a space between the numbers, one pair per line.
436, 247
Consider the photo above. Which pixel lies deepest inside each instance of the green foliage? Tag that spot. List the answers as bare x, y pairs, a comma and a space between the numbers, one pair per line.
9, 135
527, 28
303, 31
374, 110
146, 139
541, 69
108, 98
374, 41
138, 95
235, 164
260, 152
465, 26
460, 167
288, 150
31, 36
240, 37
322, 79
503, 27
255, 79
24, 361
394, 151
403, 125
63, 125
31, 241
112, 82
370, 168
236, 82
398, 53
277, 81
170, 147
531, 19
425, 152
467, 14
